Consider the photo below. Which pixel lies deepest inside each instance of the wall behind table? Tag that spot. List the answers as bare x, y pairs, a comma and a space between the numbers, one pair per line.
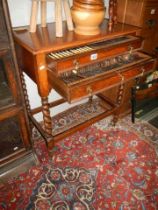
20, 16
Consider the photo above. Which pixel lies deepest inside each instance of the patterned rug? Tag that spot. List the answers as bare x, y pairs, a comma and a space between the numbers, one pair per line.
102, 168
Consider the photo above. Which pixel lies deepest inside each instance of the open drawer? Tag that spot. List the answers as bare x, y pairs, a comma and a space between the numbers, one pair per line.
64, 60
94, 79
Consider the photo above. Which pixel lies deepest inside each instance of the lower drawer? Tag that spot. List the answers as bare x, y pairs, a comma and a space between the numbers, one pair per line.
91, 86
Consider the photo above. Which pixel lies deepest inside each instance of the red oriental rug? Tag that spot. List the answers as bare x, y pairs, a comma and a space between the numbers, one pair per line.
102, 168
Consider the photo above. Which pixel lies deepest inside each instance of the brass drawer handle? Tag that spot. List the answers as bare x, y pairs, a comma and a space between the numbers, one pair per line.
143, 70
76, 64
89, 90
130, 49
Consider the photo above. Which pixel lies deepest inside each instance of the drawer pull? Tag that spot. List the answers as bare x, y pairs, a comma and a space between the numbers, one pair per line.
143, 70
130, 48
76, 64
89, 90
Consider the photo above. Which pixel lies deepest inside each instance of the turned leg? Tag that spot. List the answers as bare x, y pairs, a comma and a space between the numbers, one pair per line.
119, 102
115, 12
133, 104
26, 98
44, 90
111, 15
46, 116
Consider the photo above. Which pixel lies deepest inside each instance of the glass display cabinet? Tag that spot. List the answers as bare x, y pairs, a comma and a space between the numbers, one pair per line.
14, 125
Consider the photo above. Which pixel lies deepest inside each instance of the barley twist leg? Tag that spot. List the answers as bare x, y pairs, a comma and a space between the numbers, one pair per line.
46, 116
119, 102
115, 12
26, 98
111, 15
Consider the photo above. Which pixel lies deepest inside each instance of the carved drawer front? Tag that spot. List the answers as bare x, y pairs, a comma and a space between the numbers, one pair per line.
75, 58
94, 79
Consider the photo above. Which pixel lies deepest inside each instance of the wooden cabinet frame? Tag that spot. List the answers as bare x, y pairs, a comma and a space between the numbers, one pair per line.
13, 111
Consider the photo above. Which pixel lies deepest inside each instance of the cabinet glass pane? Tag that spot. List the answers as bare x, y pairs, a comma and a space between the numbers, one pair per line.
11, 140
6, 97
3, 30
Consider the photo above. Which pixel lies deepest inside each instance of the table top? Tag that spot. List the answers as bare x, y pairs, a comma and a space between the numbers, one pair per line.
44, 39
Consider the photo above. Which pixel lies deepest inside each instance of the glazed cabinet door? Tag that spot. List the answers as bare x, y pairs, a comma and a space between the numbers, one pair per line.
4, 38
14, 136
8, 85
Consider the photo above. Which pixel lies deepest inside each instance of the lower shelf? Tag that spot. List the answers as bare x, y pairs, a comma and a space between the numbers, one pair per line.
76, 118
78, 115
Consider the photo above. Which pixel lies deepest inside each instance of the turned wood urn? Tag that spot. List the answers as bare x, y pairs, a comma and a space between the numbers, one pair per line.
87, 16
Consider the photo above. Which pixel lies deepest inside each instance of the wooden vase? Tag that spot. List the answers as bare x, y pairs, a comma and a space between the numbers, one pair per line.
87, 16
